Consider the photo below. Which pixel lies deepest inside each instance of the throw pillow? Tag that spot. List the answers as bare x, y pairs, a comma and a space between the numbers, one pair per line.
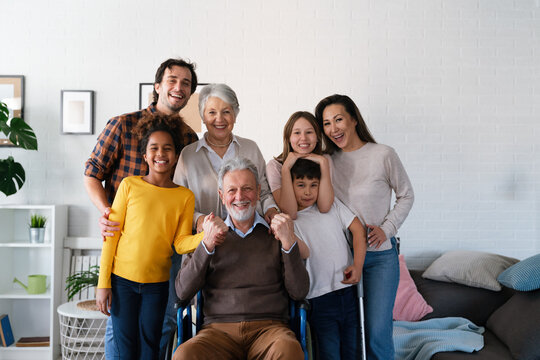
471, 268
523, 276
409, 305
517, 324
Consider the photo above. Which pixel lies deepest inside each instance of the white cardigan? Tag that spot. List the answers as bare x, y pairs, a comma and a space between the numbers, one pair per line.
195, 172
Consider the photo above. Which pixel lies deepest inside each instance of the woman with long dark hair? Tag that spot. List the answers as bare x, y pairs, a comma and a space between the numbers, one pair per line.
364, 174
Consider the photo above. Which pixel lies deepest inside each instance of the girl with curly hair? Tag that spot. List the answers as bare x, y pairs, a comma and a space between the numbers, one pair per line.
154, 213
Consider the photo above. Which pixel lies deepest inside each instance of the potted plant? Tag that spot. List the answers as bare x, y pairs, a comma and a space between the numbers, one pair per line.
37, 228
12, 174
82, 280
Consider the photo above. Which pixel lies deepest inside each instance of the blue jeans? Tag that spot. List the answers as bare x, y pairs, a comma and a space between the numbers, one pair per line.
137, 312
334, 321
169, 323
381, 278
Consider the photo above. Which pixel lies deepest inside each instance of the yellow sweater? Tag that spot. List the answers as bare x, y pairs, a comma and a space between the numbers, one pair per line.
151, 218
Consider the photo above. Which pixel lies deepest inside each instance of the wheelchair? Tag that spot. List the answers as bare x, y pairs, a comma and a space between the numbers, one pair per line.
187, 328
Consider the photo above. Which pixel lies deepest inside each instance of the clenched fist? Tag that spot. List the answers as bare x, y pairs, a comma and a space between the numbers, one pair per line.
215, 231
283, 228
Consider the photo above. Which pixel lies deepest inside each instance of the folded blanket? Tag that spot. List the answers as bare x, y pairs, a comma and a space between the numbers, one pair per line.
420, 340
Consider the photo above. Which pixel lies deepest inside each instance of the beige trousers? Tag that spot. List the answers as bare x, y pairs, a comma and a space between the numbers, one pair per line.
265, 339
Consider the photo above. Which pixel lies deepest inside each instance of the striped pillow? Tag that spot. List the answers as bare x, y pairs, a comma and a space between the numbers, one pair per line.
471, 268
523, 276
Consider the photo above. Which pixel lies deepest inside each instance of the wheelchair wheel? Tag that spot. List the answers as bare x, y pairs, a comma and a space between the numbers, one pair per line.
311, 344
170, 346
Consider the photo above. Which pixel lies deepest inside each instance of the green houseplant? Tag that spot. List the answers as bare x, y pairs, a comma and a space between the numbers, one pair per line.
12, 174
81, 280
37, 221
37, 228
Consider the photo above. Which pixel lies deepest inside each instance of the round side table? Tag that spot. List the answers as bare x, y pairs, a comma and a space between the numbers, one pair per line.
82, 332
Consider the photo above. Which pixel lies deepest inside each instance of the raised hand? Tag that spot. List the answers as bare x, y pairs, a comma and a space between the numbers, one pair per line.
291, 159
215, 231
283, 228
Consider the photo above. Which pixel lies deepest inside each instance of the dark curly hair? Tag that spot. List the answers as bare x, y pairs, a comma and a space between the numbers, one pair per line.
173, 124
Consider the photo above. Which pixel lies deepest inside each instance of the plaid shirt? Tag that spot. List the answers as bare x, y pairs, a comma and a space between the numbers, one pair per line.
116, 154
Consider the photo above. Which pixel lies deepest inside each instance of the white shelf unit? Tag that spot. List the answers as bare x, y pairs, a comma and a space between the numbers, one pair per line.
31, 315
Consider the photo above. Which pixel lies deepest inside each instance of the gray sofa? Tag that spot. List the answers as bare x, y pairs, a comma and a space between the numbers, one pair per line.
511, 318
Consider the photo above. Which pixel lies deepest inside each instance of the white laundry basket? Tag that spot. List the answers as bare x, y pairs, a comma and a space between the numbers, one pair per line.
82, 332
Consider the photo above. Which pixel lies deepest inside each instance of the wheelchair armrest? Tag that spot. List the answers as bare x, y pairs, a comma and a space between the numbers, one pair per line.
304, 304
181, 304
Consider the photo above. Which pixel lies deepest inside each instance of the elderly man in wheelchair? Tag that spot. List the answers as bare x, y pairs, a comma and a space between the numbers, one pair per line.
246, 275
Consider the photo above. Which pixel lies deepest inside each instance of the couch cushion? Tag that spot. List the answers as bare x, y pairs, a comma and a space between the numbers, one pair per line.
472, 268
409, 305
493, 349
523, 276
517, 324
451, 299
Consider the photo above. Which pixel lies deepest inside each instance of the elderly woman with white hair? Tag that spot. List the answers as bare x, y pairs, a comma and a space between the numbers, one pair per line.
199, 162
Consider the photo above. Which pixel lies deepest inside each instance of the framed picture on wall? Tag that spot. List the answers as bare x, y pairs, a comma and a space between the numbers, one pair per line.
190, 112
77, 111
146, 94
12, 94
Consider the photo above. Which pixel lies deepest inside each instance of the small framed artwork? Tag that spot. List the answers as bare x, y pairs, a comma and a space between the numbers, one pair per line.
146, 94
77, 111
190, 112
12, 94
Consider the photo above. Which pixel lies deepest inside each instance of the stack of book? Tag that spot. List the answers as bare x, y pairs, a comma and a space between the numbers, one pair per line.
7, 339
33, 341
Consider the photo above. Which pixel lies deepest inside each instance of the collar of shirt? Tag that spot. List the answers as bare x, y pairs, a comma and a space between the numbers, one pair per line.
258, 220
215, 160
202, 143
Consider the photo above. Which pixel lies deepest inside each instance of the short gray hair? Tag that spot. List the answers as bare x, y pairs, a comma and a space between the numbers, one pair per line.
234, 164
222, 91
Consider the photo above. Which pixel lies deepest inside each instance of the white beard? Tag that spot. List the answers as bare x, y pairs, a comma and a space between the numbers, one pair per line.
241, 215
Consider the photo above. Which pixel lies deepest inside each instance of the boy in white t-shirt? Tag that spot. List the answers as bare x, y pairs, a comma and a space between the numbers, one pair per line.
334, 316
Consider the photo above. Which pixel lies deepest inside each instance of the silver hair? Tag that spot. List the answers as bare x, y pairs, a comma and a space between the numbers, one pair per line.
222, 91
234, 164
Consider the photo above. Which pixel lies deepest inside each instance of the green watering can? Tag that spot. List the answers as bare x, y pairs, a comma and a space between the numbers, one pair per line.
37, 284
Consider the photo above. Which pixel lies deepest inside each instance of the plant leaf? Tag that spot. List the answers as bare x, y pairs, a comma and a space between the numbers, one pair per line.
22, 135
82, 280
12, 176
4, 114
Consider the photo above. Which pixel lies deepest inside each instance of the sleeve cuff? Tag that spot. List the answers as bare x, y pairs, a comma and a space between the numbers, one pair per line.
287, 251
211, 253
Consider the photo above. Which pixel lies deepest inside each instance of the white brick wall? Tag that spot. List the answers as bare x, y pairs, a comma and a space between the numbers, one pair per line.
452, 85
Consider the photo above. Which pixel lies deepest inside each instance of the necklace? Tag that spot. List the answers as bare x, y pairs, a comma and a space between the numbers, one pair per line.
218, 145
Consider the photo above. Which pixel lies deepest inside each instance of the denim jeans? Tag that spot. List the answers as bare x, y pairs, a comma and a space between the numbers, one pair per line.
381, 278
334, 321
137, 312
169, 322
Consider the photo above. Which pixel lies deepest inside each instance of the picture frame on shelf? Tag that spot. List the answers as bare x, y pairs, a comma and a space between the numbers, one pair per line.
77, 112
190, 112
12, 94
